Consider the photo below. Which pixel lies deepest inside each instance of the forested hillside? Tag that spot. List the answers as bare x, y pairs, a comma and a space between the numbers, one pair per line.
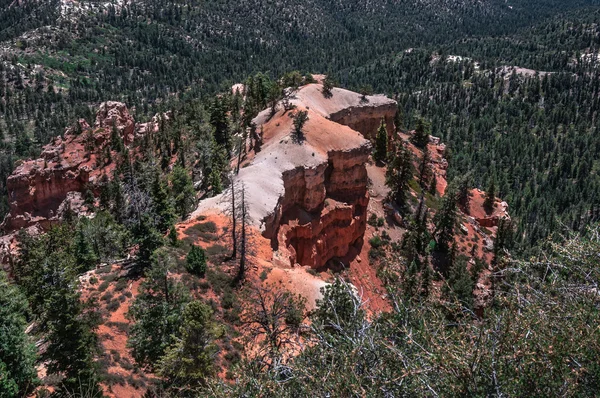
287, 237
60, 58
533, 131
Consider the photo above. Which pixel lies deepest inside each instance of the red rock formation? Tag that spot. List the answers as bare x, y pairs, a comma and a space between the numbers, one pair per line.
329, 234
71, 163
310, 198
311, 232
362, 114
115, 115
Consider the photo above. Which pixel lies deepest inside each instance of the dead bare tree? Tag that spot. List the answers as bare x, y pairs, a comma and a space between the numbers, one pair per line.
241, 150
273, 323
243, 210
255, 138
233, 210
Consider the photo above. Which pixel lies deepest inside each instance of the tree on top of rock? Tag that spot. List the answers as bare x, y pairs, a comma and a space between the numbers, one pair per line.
328, 84
364, 92
421, 136
299, 121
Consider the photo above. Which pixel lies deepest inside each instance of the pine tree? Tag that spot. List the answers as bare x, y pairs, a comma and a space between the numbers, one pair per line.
421, 136
445, 220
190, 360
503, 240
424, 168
173, 240
47, 272
195, 262
410, 283
183, 191
149, 239
460, 283
17, 351
220, 123
218, 167
299, 121
156, 312
161, 204
116, 142
381, 144
399, 119
84, 253
490, 197
328, 84
398, 175
339, 310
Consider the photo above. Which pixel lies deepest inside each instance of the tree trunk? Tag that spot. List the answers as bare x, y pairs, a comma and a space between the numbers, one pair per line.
242, 270
233, 220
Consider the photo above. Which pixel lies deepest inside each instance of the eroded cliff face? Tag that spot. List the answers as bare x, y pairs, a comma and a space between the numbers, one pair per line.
362, 114
367, 119
321, 217
323, 213
72, 163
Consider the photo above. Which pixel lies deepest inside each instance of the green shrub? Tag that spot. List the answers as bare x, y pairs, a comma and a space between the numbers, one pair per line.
107, 296
113, 305
121, 285
263, 275
219, 280
376, 242
228, 300
195, 262
217, 251
206, 231
372, 220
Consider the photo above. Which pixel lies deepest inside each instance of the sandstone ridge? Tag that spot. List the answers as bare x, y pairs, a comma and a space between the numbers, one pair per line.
310, 198
39, 189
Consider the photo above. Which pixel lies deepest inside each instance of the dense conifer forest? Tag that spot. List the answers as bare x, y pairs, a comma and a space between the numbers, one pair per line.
450, 65
512, 89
